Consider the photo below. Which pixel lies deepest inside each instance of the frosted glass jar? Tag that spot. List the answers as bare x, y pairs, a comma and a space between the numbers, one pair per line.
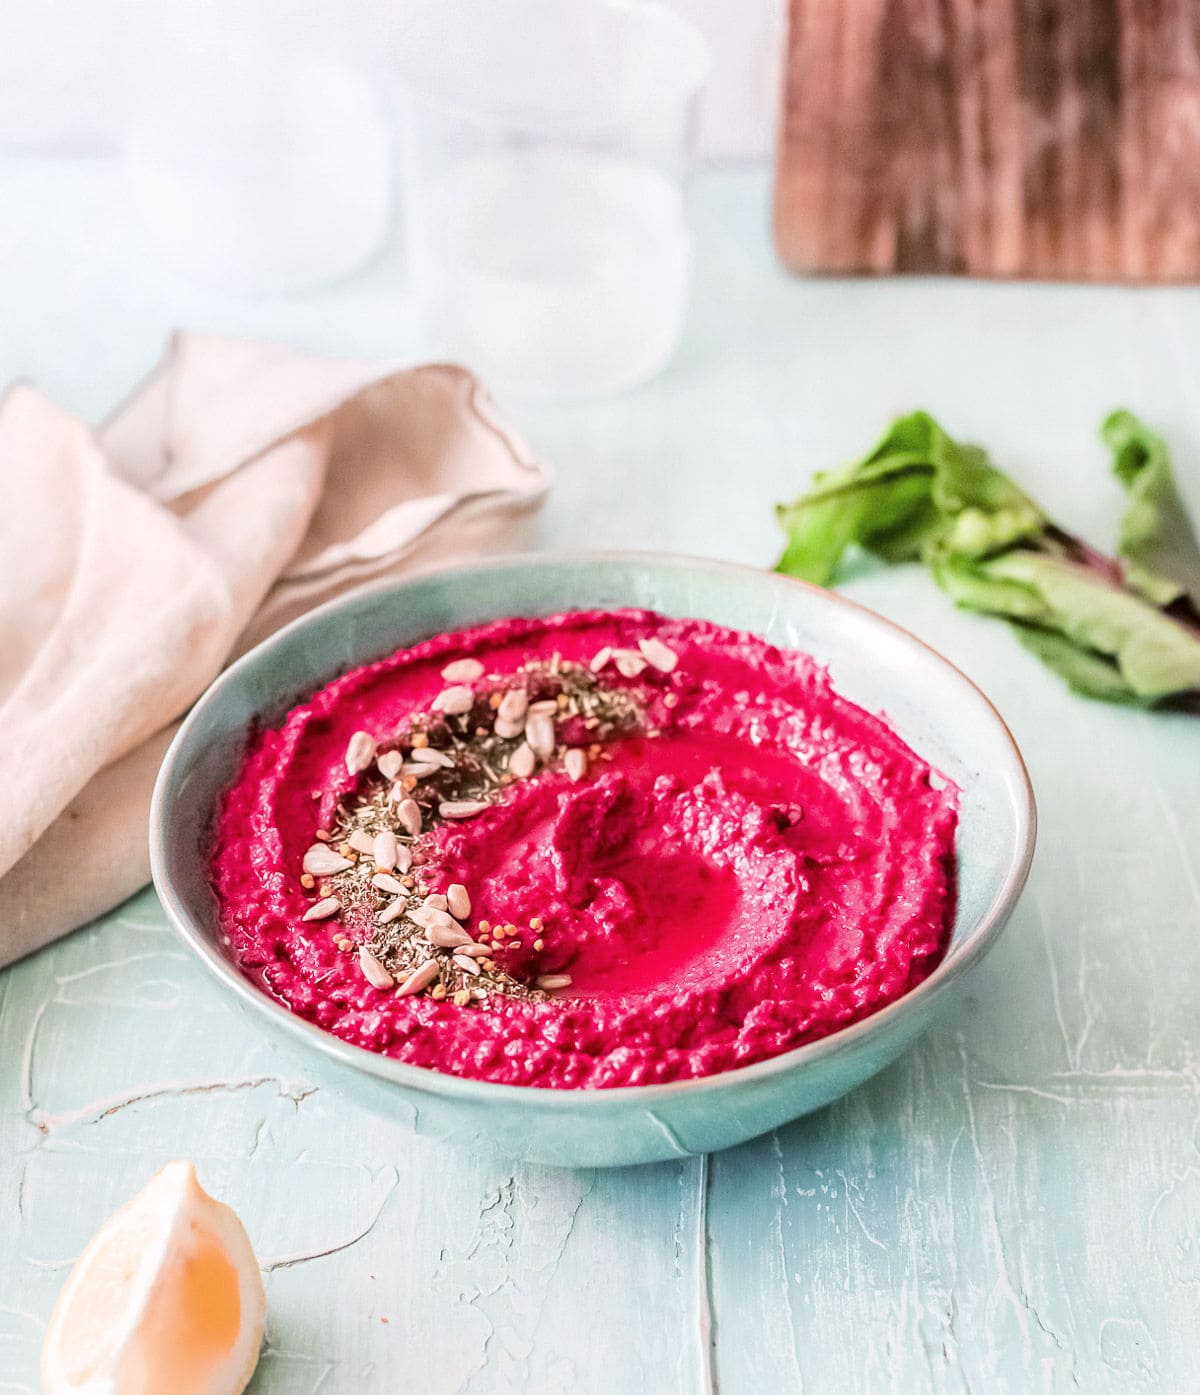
545, 149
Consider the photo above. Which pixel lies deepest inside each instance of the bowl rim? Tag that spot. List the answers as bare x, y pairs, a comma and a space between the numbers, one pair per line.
443, 1083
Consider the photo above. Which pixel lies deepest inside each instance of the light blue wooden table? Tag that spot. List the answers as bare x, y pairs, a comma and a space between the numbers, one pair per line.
1012, 1208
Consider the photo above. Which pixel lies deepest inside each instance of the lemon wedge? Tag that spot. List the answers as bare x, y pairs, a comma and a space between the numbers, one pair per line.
166, 1298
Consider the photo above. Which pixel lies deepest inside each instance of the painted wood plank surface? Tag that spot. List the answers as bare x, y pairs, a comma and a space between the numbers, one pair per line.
1046, 138
384, 1253
1013, 1207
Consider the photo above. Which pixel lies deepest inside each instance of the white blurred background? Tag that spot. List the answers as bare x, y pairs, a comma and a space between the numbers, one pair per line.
506, 177
65, 64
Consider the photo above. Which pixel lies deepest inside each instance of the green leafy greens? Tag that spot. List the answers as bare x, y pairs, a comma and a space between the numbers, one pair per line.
1123, 629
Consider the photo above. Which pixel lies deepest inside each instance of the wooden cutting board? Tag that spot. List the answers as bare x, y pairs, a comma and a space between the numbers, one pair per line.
1028, 138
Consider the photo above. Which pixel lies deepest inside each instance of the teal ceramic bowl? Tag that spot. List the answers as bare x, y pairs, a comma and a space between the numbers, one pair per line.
943, 716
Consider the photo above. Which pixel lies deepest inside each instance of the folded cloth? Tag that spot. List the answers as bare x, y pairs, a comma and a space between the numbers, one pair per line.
240, 485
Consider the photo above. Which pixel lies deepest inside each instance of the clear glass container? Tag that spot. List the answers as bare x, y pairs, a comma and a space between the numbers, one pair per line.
546, 144
258, 162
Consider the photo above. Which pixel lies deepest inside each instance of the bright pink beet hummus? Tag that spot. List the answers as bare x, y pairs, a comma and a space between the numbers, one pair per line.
768, 865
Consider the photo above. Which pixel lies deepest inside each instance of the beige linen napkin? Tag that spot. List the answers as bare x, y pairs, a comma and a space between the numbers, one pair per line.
239, 486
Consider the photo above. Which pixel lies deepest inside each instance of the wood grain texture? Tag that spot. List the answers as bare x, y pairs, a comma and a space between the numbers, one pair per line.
1038, 138
1013, 1208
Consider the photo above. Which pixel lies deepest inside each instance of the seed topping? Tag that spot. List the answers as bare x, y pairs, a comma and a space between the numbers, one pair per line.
323, 909
629, 662
431, 756
463, 671
360, 841
384, 849
454, 701
462, 808
321, 861
658, 655
393, 911
510, 715
390, 764
539, 733
458, 901
420, 978
522, 762
371, 874
373, 971
360, 752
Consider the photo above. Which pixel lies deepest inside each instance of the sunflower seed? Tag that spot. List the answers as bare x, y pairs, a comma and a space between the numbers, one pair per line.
392, 911
385, 849
465, 963
462, 808
408, 812
474, 950
373, 971
323, 909
403, 859
514, 704
550, 705
430, 755
459, 901
660, 655
421, 977
463, 671
539, 733
454, 701
629, 663
441, 922
575, 763
552, 981
384, 881
361, 841
601, 659
510, 715
321, 861
426, 915
418, 770
360, 752
389, 764
522, 761
447, 936
436, 902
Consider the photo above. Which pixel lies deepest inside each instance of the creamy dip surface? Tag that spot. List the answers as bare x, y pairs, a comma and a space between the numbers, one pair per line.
753, 865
